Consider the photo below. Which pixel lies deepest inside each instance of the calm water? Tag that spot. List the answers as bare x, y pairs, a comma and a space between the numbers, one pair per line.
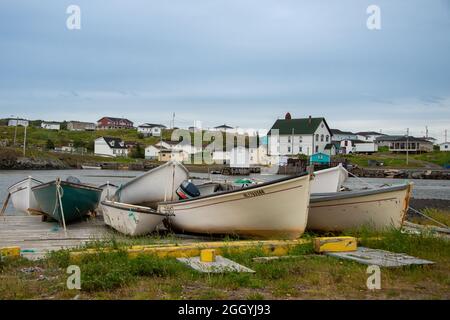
423, 189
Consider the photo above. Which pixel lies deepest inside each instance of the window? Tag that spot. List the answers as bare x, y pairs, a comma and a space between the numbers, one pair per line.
299, 149
317, 137
317, 148
321, 138
289, 139
300, 139
289, 149
327, 138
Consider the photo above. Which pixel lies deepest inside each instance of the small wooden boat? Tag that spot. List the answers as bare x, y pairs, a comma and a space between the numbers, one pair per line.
329, 180
90, 167
21, 196
76, 200
108, 191
130, 219
158, 184
378, 208
276, 209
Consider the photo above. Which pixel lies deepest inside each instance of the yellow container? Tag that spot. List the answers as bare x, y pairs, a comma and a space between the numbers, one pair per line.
335, 244
10, 251
208, 255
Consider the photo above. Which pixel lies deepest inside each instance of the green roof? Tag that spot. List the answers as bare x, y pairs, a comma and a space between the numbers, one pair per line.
299, 126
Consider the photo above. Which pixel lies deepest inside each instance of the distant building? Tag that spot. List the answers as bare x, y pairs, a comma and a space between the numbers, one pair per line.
410, 144
152, 152
51, 125
175, 155
330, 149
444, 146
80, 126
339, 135
385, 140
151, 129
299, 136
114, 123
368, 136
18, 122
110, 147
358, 146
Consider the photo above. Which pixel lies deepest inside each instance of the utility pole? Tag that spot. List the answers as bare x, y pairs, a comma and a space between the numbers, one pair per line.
25, 141
446, 136
173, 120
426, 132
15, 130
407, 146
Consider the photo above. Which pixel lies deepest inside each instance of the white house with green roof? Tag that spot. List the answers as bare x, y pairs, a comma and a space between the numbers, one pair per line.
299, 136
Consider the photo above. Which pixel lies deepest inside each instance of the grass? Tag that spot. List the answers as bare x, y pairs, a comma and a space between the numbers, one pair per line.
112, 275
440, 215
391, 160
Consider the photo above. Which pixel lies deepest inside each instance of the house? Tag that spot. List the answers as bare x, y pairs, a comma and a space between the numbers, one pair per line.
152, 152
110, 147
385, 140
185, 146
223, 128
18, 122
339, 135
320, 158
80, 126
51, 125
299, 136
444, 146
368, 136
330, 149
175, 155
358, 146
410, 144
151, 129
114, 123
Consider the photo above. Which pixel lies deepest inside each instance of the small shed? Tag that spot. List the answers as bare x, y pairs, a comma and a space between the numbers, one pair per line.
320, 158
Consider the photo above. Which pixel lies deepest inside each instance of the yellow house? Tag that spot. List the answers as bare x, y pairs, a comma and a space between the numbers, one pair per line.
175, 155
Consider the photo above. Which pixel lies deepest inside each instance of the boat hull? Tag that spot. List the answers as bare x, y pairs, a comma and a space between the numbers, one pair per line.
77, 200
158, 184
378, 209
329, 180
131, 220
278, 209
108, 191
22, 197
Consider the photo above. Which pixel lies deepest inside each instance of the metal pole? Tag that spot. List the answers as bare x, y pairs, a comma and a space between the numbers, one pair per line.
407, 146
15, 130
24, 141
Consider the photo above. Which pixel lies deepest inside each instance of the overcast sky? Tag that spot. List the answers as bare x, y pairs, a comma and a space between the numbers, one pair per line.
239, 62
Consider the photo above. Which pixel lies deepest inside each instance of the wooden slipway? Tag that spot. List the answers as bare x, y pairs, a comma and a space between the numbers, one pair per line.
35, 237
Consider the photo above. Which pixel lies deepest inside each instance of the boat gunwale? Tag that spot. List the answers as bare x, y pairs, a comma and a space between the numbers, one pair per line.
69, 184
226, 192
108, 184
121, 187
335, 168
134, 208
331, 196
21, 181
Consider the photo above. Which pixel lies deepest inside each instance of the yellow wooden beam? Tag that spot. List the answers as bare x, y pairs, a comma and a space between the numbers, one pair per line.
334, 244
10, 251
270, 247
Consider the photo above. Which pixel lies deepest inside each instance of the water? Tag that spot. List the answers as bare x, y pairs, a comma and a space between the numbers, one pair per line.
423, 189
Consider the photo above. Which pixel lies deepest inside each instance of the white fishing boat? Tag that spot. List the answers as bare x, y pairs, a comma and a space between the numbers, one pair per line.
158, 184
378, 208
89, 167
129, 219
22, 197
276, 209
108, 192
329, 180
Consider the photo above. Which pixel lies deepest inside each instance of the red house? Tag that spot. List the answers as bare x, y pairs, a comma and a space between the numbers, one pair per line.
114, 123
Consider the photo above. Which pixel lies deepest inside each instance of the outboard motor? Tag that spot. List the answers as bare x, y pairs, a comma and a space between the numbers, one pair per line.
73, 179
187, 190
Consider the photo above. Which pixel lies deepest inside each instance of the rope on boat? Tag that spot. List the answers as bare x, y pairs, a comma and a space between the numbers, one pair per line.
59, 195
5, 204
412, 209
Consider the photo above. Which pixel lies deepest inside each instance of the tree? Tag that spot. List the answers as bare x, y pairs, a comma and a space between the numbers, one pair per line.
50, 145
137, 152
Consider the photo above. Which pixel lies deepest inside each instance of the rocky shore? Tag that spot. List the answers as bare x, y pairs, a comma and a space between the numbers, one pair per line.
23, 163
401, 173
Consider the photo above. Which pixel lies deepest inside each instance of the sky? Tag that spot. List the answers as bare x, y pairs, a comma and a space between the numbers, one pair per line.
240, 62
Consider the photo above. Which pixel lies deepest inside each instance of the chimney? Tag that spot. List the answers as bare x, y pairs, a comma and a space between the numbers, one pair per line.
287, 116
309, 120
